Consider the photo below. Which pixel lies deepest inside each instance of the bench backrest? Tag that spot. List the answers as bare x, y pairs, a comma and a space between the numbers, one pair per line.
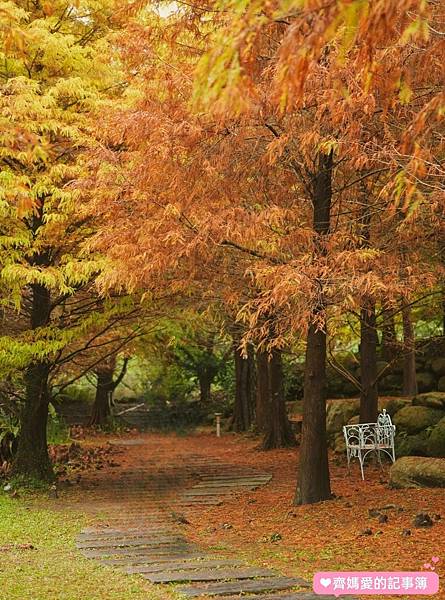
364, 434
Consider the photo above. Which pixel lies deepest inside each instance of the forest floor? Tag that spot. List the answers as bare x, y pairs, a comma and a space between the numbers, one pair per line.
261, 526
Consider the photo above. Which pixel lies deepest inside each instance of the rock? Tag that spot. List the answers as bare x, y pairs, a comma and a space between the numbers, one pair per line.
413, 419
339, 412
438, 366
374, 512
339, 445
393, 405
426, 381
417, 471
383, 519
412, 445
436, 440
367, 531
423, 520
441, 384
430, 399
406, 532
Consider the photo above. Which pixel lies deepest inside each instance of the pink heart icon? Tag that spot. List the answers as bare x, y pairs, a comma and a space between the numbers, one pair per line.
435, 559
427, 566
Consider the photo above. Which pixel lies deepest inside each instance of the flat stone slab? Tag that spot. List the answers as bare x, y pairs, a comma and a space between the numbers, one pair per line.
184, 501
129, 542
228, 483
130, 442
216, 491
104, 534
138, 551
257, 585
206, 575
185, 565
144, 559
236, 478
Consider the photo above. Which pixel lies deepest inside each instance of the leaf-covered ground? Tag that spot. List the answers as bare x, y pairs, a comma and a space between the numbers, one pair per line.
261, 526
339, 534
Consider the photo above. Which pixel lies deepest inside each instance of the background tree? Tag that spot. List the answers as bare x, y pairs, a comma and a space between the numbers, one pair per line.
50, 87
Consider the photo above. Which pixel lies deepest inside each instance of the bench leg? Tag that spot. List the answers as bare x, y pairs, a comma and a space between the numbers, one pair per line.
361, 460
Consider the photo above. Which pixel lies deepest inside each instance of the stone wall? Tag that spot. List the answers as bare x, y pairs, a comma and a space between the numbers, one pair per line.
420, 423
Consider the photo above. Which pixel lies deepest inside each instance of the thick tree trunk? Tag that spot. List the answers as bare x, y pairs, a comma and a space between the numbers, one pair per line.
389, 348
32, 459
409, 354
106, 384
443, 312
205, 384
277, 431
244, 390
368, 364
102, 402
262, 391
314, 481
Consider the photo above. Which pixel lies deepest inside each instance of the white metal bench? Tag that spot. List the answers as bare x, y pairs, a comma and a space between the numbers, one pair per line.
364, 438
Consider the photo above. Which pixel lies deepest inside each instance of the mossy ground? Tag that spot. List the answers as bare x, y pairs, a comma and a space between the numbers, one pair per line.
53, 569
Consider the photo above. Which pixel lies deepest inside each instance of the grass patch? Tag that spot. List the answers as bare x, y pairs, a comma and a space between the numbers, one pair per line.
53, 569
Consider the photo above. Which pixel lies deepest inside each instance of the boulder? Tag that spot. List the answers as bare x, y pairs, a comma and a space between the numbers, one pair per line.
413, 419
431, 399
438, 366
417, 471
339, 444
339, 412
412, 445
393, 404
436, 441
426, 381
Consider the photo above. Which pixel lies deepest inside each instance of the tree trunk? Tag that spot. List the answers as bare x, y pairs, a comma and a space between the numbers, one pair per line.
102, 402
409, 354
262, 391
314, 481
32, 459
106, 384
368, 364
443, 312
244, 390
278, 431
389, 337
205, 383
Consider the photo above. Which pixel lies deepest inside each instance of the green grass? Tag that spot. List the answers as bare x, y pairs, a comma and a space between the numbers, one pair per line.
55, 570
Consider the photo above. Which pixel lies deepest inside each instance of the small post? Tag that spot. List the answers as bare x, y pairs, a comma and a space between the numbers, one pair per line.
218, 424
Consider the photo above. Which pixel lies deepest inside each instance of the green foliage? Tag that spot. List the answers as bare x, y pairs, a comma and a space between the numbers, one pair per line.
57, 432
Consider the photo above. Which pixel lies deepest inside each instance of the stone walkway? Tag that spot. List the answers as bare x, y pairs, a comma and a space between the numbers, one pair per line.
141, 512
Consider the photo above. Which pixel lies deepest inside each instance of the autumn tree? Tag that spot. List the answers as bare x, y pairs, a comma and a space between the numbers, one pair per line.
50, 87
267, 170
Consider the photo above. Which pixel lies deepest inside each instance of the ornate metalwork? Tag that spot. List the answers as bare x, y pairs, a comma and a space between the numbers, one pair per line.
365, 438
